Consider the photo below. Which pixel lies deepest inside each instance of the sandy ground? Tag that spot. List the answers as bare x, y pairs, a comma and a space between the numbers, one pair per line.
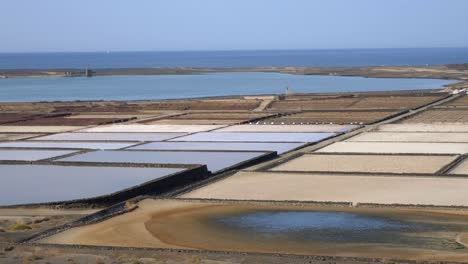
20, 223
461, 101
115, 231
387, 102
461, 168
419, 127
396, 147
4, 137
440, 115
38, 129
337, 188
287, 128
73, 255
182, 224
366, 163
152, 128
410, 137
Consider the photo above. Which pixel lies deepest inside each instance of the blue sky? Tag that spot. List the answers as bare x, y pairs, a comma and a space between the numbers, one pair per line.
141, 25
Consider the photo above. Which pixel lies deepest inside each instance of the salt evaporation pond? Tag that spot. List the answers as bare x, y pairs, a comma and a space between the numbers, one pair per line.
65, 145
23, 184
31, 155
255, 137
253, 146
111, 136
215, 161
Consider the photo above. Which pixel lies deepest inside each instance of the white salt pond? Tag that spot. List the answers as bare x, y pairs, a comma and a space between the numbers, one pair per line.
65, 145
30, 154
255, 137
134, 128
288, 128
24, 184
111, 136
397, 147
367, 163
253, 146
410, 137
215, 161
442, 191
421, 127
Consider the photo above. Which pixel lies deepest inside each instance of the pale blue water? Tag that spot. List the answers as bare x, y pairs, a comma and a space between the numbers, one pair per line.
251, 58
198, 85
290, 221
308, 226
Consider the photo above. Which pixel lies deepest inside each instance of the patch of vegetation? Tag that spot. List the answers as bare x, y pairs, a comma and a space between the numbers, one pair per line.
19, 227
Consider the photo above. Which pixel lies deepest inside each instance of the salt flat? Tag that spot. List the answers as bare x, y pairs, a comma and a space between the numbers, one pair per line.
366, 163
410, 137
152, 128
337, 188
423, 127
255, 137
288, 128
396, 147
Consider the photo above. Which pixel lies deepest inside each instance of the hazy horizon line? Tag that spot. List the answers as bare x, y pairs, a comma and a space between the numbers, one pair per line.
227, 50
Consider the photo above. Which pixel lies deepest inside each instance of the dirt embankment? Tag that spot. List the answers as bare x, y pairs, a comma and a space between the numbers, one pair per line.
458, 71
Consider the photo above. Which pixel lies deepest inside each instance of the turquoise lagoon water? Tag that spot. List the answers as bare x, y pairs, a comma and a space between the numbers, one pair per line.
196, 85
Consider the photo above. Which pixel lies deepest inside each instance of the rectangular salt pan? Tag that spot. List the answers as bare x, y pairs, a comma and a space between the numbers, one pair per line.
366, 163
255, 137
65, 145
31, 155
410, 137
397, 147
288, 128
111, 136
215, 161
253, 146
438, 127
152, 128
23, 184
442, 191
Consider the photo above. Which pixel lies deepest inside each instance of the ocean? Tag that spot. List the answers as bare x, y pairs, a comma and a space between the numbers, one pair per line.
223, 59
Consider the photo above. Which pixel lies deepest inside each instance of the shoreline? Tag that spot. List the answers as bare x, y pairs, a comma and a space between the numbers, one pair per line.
455, 72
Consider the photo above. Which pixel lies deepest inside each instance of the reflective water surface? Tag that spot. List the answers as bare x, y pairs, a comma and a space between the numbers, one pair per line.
21, 184
214, 160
